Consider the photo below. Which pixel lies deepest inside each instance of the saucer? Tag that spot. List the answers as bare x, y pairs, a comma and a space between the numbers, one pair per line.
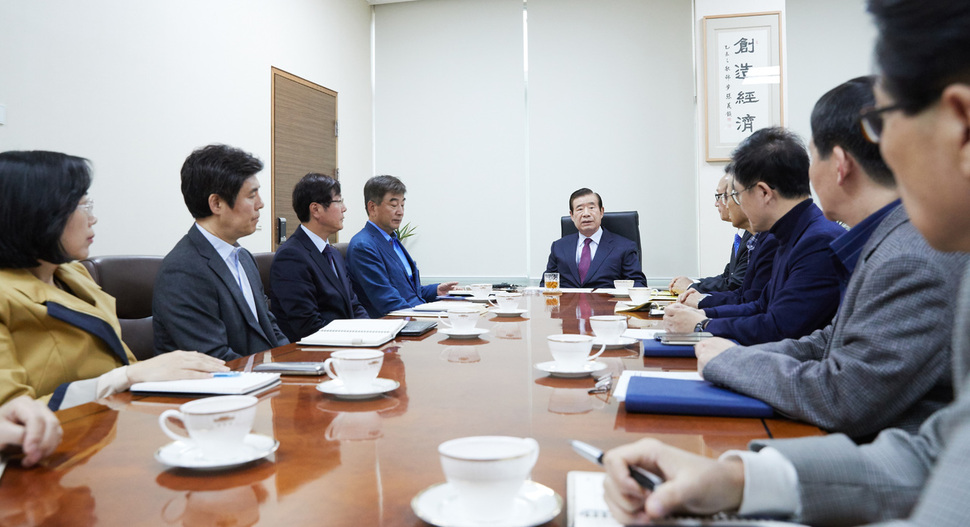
534, 505
507, 313
338, 390
480, 298
622, 342
463, 333
555, 370
186, 455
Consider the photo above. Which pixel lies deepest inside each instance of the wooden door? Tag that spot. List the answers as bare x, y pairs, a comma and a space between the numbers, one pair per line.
304, 133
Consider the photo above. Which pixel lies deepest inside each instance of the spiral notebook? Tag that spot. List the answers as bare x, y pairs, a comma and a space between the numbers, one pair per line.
352, 332
243, 383
587, 508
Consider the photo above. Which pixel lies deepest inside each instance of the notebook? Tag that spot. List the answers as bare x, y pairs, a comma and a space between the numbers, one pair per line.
690, 397
350, 332
246, 383
585, 507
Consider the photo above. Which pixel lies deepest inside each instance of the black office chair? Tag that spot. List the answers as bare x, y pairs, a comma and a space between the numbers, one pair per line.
131, 280
263, 262
624, 223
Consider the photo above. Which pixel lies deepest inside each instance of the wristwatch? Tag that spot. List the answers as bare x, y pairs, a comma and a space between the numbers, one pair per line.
701, 326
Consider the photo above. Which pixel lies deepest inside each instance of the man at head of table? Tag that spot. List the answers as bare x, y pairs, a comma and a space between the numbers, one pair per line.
594, 256
771, 185
384, 275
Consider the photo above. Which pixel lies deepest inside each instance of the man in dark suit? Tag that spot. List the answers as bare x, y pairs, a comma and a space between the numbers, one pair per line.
771, 185
310, 283
734, 272
594, 256
208, 296
385, 277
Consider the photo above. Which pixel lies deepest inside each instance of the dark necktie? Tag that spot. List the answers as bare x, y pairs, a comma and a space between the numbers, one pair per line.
328, 252
584, 260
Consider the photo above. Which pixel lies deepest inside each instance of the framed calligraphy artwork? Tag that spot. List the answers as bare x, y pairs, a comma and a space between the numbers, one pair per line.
742, 82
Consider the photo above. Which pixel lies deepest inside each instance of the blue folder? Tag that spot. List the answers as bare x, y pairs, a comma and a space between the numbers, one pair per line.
653, 348
655, 395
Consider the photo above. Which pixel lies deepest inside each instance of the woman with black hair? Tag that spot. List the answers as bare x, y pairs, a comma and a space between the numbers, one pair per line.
60, 339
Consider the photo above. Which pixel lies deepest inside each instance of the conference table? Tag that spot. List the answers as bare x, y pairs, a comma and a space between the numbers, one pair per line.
360, 462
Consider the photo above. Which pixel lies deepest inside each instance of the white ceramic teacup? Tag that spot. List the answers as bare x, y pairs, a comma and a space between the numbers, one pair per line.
621, 286
608, 327
216, 425
572, 351
480, 291
357, 369
488, 472
506, 301
640, 295
460, 318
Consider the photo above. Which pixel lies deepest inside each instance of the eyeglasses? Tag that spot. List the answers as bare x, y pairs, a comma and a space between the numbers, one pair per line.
872, 122
735, 193
720, 197
88, 207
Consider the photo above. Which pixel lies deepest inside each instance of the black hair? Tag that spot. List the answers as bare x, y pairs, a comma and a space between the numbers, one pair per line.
39, 191
215, 169
378, 186
313, 188
921, 48
583, 192
835, 122
776, 157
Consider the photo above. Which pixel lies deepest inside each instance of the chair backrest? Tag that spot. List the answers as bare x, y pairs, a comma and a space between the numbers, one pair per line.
625, 223
342, 247
131, 280
264, 261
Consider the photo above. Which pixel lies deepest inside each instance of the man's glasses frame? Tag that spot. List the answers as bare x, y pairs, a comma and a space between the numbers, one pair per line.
871, 121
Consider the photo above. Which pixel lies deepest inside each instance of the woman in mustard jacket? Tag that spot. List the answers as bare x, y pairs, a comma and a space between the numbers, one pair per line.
60, 340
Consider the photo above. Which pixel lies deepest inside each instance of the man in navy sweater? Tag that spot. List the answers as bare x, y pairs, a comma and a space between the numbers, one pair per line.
771, 186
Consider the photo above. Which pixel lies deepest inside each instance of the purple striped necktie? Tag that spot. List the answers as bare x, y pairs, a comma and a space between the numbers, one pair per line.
584, 260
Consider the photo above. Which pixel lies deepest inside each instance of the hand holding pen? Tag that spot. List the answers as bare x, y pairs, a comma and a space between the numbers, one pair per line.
690, 483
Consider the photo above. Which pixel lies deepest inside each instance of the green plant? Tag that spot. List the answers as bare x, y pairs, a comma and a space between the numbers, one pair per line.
406, 231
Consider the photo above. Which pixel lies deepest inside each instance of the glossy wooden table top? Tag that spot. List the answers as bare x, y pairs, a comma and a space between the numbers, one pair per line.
361, 462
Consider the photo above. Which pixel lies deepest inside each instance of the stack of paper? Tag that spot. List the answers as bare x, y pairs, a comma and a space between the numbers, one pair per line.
354, 332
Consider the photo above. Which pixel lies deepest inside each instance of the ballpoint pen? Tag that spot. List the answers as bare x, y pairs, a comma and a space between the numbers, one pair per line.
645, 478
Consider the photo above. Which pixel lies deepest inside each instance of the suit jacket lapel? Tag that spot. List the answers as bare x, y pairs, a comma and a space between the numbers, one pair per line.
321, 262
602, 253
255, 282
221, 270
390, 255
568, 254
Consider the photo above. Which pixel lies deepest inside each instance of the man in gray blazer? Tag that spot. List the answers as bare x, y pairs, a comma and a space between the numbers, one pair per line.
922, 121
885, 360
208, 295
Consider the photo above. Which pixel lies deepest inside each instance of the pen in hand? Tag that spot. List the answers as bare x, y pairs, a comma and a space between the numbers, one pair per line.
648, 480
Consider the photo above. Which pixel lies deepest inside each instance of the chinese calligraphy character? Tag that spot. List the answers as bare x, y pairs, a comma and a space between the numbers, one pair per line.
741, 70
745, 97
745, 123
744, 46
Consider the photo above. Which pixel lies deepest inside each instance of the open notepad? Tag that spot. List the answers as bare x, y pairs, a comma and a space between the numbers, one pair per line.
350, 332
587, 508
246, 383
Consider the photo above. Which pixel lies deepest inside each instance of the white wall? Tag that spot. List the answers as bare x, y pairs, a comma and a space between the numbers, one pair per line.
607, 103
136, 86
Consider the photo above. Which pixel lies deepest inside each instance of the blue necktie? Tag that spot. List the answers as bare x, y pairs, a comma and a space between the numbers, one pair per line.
737, 243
